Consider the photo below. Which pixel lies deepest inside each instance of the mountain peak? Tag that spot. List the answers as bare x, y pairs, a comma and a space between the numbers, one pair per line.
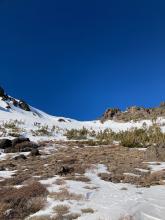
12, 102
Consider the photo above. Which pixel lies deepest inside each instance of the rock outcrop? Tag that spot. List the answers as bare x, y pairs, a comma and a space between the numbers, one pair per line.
5, 144
10, 100
2, 92
110, 113
134, 113
18, 145
23, 105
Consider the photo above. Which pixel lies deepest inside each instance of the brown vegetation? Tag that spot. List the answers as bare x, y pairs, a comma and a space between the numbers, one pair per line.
22, 201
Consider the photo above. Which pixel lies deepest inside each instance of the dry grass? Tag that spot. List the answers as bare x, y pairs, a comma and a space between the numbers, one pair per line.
91, 187
61, 209
44, 217
29, 199
87, 210
119, 160
126, 217
64, 194
72, 216
23, 201
78, 178
155, 178
60, 182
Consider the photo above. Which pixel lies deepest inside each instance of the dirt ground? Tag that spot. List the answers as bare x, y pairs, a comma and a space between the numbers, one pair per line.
72, 158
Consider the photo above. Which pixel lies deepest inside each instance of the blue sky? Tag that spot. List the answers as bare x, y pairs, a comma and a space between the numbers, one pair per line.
77, 58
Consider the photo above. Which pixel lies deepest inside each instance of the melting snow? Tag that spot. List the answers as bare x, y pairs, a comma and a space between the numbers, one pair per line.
6, 173
107, 199
156, 166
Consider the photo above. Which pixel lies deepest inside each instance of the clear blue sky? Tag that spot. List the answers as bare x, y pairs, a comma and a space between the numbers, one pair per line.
76, 58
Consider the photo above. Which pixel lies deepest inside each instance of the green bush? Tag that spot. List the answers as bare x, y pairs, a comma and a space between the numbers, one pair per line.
142, 137
75, 134
42, 131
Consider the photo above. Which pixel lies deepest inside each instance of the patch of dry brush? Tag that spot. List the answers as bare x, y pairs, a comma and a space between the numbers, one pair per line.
19, 203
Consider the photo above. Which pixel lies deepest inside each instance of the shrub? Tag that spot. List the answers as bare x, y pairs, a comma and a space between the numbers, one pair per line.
162, 104
142, 137
61, 209
23, 201
87, 210
64, 194
75, 134
106, 137
42, 131
10, 125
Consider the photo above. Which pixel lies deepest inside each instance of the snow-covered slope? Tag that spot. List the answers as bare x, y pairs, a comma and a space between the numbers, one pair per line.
33, 120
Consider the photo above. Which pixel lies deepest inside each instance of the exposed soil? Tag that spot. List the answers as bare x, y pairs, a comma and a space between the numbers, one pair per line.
70, 159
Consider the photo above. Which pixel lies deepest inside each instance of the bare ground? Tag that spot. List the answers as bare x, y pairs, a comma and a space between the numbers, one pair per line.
71, 159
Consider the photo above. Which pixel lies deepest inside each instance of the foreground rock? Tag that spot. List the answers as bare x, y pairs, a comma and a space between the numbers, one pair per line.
20, 157
19, 140
64, 170
22, 147
5, 143
17, 145
34, 152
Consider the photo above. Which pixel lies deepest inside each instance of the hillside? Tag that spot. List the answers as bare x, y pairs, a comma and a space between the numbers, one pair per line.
57, 168
19, 118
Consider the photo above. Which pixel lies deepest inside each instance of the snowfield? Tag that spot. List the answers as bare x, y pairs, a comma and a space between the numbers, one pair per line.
35, 118
107, 200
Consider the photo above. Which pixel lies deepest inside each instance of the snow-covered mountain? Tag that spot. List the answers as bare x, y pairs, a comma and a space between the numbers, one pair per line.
99, 198
28, 120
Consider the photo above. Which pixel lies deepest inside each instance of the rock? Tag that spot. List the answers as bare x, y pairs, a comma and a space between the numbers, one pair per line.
20, 157
5, 143
11, 165
2, 168
61, 120
25, 146
9, 214
5, 97
110, 113
34, 152
134, 109
23, 105
156, 152
65, 170
15, 102
19, 140
8, 106
2, 92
